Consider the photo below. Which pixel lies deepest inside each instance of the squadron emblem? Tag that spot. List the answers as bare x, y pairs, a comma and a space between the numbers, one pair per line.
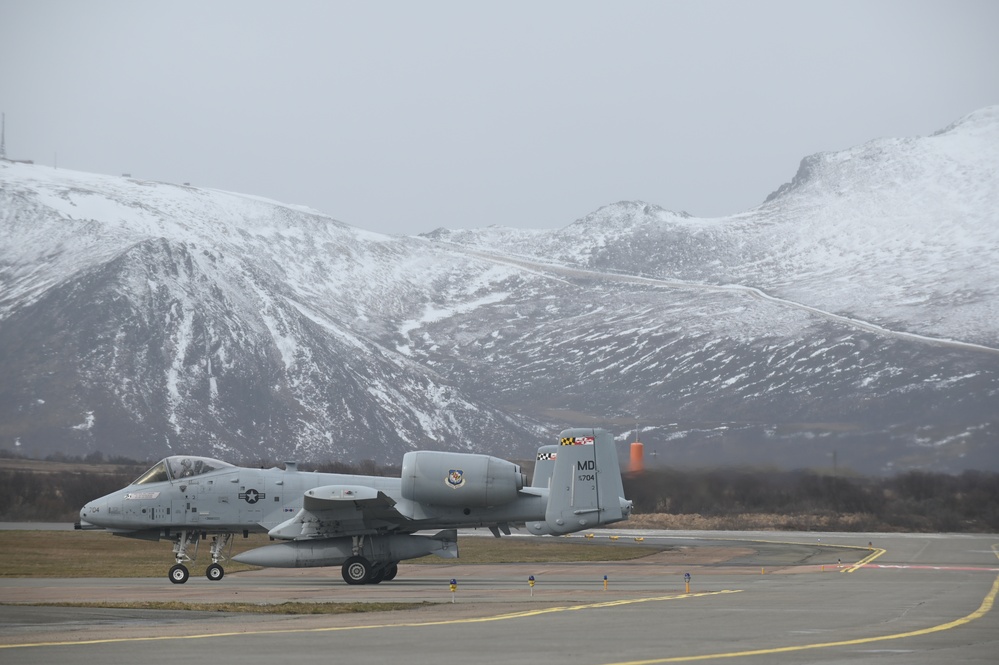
455, 478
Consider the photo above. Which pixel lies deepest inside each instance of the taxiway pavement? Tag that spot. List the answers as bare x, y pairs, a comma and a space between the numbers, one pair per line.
754, 597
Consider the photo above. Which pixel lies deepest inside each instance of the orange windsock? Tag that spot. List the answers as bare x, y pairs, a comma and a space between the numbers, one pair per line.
637, 458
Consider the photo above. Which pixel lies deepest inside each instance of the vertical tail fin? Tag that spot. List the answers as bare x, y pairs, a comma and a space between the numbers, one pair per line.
585, 487
544, 466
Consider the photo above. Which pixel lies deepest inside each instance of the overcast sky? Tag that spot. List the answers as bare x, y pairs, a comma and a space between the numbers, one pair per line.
401, 117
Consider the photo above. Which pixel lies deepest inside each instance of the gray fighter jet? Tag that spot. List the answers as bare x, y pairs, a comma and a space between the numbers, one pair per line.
366, 524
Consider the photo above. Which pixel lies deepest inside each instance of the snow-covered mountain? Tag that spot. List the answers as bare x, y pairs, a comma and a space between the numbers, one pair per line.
853, 315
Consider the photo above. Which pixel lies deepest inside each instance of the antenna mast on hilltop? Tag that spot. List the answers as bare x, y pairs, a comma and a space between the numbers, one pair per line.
3, 136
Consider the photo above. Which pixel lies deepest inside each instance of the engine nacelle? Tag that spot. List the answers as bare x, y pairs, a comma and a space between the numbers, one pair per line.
459, 479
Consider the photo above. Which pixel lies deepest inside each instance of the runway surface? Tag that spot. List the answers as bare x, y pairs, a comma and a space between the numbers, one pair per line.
754, 597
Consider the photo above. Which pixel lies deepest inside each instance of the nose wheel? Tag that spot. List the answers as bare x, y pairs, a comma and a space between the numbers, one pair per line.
214, 572
179, 574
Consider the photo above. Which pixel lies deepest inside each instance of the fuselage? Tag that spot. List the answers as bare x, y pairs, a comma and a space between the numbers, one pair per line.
365, 524
213, 496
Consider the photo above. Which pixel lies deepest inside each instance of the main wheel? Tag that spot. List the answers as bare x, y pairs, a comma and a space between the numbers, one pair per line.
179, 574
391, 571
356, 570
377, 574
215, 572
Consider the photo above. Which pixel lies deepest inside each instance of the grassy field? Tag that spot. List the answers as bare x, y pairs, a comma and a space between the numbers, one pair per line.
99, 554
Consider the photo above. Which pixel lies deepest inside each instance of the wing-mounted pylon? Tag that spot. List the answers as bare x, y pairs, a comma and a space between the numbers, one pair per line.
337, 510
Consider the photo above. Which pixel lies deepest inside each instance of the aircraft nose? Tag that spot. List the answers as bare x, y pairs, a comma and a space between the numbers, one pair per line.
84, 523
87, 516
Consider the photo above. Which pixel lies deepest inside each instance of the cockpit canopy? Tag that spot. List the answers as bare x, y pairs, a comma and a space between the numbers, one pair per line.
179, 466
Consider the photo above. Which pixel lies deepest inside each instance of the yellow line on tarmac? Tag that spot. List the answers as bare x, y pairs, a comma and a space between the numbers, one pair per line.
330, 629
870, 557
977, 614
866, 560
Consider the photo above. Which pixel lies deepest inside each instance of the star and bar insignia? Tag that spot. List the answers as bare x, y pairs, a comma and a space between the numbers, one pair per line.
252, 496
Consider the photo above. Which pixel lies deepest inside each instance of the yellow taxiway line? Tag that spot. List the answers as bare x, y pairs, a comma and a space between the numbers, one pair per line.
983, 609
331, 629
863, 562
977, 614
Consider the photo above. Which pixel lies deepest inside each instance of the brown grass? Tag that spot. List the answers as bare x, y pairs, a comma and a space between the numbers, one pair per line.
100, 554
96, 554
751, 522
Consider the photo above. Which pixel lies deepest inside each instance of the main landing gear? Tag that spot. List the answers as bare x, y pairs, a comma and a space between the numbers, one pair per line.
359, 570
220, 544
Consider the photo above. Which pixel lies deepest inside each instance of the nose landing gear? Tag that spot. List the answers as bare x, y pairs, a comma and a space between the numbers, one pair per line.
179, 573
220, 542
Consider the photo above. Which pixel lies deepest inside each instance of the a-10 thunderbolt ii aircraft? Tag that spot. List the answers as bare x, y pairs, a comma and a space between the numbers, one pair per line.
366, 524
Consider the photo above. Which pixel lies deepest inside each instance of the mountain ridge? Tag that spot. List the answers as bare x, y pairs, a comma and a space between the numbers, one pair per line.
148, 318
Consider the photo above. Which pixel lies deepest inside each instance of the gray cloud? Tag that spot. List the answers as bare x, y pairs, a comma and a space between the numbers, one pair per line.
400, 117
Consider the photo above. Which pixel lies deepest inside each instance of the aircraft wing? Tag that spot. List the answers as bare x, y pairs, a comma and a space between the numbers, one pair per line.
341, 510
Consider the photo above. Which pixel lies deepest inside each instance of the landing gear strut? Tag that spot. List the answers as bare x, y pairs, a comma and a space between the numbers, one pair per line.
356, 569
220, 542
179, 573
